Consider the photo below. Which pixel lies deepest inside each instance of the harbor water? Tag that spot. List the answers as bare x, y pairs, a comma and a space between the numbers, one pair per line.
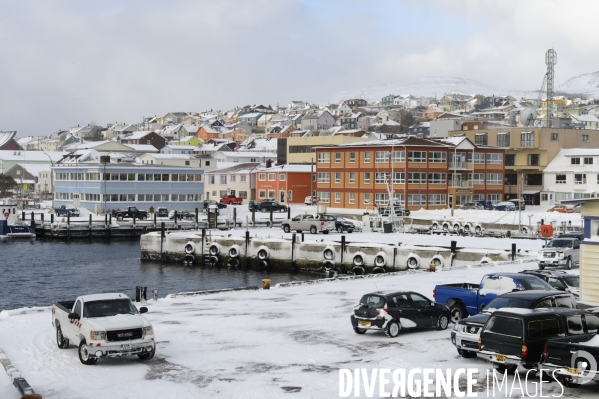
38, 273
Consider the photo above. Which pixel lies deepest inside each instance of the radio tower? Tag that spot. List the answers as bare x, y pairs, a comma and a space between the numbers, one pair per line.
550, 60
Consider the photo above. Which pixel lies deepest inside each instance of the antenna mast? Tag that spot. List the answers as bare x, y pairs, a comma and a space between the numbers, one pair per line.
550, 60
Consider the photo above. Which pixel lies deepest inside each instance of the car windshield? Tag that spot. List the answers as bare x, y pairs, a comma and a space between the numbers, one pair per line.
110, 307
572, 281
499, 303
560, 244
534, 283
373, 301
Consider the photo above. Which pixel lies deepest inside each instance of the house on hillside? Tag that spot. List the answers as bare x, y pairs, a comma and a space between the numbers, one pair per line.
143, 137
317, 121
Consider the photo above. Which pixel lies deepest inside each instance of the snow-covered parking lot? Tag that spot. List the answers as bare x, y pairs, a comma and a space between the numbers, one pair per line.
247, 344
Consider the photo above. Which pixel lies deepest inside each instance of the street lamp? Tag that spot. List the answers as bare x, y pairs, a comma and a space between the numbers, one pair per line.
51, 177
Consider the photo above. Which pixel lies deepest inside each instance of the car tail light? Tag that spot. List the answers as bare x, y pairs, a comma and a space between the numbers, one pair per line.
524, 350
545, 352
480, 342
322, 223
435, 293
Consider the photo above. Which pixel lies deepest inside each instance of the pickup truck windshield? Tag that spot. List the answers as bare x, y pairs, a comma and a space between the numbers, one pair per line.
559, 244
373, 301
499, 303
534, 283
110, 307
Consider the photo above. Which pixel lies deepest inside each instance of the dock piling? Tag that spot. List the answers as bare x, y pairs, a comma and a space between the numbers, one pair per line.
514, 251
247, 245
293, 268
341, 260
271, 218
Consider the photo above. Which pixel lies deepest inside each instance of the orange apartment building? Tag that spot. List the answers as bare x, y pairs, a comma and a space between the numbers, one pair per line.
439, 173
287, 184
207, 132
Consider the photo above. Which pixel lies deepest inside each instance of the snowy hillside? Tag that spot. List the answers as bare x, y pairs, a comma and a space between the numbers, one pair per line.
587, 84
429, 87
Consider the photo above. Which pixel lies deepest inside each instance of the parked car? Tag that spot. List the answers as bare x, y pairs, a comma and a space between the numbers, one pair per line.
466, 331
518, 203
392, 311
207, 203
557, 354
231, 200
505, 206
488, 205
181, 215
342, 224
253, 205
103, 325
397, 209
465, 299
312, 223
558, 279
310, 200
162, 212
130, 212
561, 209
268, 205
471, 205
560, 252
513, 337
64, 211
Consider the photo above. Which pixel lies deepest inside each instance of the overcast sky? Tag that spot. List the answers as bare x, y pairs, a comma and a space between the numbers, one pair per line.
64, 63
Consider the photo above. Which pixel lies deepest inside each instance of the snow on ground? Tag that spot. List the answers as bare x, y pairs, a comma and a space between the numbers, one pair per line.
7, 389
248, 344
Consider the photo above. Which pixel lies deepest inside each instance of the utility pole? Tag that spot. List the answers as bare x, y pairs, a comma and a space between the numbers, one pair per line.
550, 60
312, 179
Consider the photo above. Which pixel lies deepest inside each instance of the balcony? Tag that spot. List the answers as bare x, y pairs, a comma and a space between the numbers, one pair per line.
460, 165
460, 183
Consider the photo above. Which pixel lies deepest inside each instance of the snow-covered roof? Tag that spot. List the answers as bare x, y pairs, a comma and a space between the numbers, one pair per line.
287, 168
182, 147
35, 168
142, 147
248, 154
562, 161
252, 115
24, 156
169, 156
585, 118
241, 168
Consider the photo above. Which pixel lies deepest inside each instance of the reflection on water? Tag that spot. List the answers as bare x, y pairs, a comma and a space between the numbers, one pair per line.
38, 273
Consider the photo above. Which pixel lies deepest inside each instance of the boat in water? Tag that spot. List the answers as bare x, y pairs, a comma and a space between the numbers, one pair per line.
11, 227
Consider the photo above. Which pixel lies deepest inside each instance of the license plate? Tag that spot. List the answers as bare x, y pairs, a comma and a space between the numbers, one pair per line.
364, 323
126, 347
500, 358
573, 371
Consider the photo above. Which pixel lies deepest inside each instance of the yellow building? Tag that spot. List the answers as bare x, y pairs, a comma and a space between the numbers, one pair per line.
297, 150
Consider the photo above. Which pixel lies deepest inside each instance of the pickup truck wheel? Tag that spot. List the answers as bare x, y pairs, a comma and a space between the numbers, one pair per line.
457, 312
339, 229
84, 355
359, 330
313, 230
263, 210
286, 228
502, 368
61, 341
392, 329
569, 264
442, 322
119, 217
143, 217
467, 354
146, 355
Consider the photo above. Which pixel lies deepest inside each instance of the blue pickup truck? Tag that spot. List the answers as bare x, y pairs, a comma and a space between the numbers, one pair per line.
464, 299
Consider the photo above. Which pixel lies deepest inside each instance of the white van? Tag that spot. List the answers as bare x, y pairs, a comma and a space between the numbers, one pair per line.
518, 203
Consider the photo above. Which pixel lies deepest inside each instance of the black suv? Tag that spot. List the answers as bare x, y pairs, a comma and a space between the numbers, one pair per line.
558, 279
268, 205
162, 212
513, 337
253, 205
392, 311
397, 209
213, 202
466, 331
342, 224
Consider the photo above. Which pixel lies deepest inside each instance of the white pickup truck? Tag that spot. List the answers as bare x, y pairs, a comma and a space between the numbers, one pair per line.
103, 325
560, 252
311, 223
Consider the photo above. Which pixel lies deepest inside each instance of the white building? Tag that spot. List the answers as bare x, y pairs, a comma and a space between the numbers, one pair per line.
241, 157
573, 173
238, 180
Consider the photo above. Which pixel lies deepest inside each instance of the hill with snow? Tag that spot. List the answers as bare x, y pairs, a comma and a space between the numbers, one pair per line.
587, 84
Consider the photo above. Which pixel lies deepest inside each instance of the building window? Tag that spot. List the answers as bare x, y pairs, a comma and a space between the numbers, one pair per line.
527, 139
510, 159
337, 198
417, 156
366, 198
381, 177
437, 157
262, 194
337, 157
289, 196
437, 178
242, 178
535, 179
493, 197
352, 157
533, 159
223, 179
574, 161
243, 194
476, 158
352, 198
417, 199
281, 176
494, 159
262, 176
324, 157
480, 139
324, 177
381, 199
588, 161
337, 177
272, 176
211, 179
494, 178
585, 138
503, 139
554, 136
367, 157
477, 178
186, 163
324, 197
398, 156
271, 194
381, 156
366, 177
232, 178
437, 199
580, 178
399, 178
560, 179
352, 177
416, 178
